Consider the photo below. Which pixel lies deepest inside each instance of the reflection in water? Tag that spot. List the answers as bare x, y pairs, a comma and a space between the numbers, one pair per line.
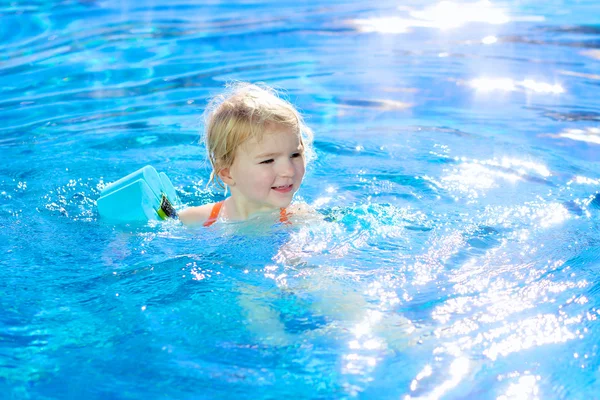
448, 14
383, 25
509, 85
542, 87
595, 53
594, 77
588, 135
462, 255
583, 180
380, 104
443, 15
487, 84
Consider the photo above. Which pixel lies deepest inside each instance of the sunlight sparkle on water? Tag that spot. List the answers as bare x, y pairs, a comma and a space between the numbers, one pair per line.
537, 331
525, 388
376, 290
473, 176
458, 370
489, 40
364, 328
522, 165
476, 176
425, 372
552, 214
356, 364
371, 344
321, 201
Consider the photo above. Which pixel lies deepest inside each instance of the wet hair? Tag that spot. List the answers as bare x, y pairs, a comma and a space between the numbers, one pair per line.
246, 111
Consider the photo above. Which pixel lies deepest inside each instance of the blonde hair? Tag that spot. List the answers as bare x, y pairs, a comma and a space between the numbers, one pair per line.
244, 112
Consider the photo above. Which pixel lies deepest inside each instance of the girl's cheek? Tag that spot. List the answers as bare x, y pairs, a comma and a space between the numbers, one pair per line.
264, 175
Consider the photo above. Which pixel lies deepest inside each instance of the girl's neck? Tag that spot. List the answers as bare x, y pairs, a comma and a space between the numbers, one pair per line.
236, 209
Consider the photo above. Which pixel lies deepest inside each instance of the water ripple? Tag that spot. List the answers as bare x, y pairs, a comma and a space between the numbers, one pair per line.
455, 182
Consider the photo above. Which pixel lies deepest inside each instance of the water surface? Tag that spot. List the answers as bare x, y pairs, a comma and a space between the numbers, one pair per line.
457, 173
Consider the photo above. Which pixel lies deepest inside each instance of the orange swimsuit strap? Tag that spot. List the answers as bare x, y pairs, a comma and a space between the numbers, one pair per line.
283, 216
214, 214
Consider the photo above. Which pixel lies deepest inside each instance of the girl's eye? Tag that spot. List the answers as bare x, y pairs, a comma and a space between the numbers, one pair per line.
296, 155
269, 161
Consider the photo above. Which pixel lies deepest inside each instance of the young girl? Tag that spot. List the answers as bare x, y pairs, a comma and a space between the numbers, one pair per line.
256, 144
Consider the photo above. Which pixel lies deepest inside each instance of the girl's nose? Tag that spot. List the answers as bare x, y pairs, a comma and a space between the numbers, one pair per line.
286, 169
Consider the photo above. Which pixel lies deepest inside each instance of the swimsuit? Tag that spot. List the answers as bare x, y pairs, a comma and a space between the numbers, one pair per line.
214, 214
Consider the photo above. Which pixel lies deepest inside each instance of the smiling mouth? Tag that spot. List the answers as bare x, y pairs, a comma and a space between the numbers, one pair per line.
283, 189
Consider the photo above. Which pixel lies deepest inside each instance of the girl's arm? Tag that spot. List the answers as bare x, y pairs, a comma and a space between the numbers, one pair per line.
195, 216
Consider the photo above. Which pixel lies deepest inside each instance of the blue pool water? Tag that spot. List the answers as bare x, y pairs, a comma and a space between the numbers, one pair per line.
457, 173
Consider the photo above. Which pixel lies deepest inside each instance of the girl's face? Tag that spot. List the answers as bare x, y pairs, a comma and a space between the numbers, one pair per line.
265, 174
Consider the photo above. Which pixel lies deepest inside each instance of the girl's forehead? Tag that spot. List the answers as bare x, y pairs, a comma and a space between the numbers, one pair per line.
271, 139
272, 127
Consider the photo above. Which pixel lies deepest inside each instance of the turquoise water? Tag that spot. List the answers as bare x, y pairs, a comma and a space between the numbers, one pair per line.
457, 173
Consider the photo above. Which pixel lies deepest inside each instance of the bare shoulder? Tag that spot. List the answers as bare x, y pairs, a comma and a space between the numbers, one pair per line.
194, 216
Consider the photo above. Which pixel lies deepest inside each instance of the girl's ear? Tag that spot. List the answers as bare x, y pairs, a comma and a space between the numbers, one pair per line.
225, 176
